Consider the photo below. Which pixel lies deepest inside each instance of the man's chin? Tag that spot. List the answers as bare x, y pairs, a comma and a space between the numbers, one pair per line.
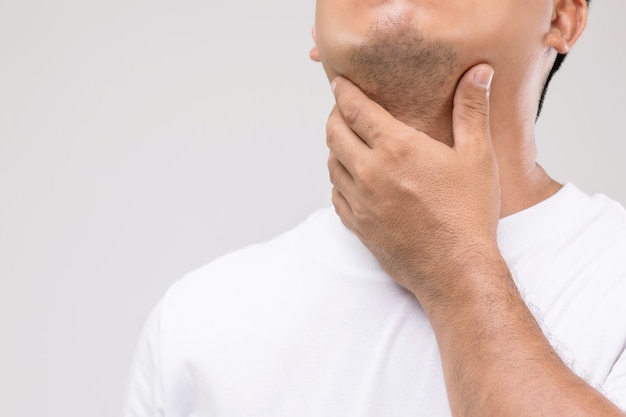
412, 78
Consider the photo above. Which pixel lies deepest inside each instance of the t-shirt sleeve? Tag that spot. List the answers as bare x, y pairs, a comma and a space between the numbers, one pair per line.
144, 391
615, 384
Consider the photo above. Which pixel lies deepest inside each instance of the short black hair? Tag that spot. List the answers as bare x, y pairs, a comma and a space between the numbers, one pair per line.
557, 64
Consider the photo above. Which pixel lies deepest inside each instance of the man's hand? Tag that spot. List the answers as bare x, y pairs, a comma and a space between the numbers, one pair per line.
429, 213
425, 210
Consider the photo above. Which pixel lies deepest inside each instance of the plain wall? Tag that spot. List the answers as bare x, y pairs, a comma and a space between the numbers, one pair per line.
141, 139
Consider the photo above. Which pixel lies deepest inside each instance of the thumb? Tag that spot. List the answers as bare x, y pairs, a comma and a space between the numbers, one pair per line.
470, 114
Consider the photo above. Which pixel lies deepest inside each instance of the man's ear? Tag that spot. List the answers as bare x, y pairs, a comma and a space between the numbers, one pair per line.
569, 18
315, 53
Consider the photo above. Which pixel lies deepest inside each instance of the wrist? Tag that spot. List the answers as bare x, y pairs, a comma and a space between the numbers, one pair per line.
468, 286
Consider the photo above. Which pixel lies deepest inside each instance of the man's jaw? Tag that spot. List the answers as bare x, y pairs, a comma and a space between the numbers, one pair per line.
412, 78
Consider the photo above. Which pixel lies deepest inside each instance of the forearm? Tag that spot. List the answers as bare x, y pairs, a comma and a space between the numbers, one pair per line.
419, 206
496, 359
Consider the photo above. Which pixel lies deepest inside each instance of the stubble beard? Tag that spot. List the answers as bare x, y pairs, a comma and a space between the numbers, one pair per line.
412, 78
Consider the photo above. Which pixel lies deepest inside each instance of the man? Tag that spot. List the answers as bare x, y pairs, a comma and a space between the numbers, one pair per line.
466, 283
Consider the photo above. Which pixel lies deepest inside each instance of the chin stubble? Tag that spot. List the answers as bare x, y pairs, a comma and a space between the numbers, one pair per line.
412, 78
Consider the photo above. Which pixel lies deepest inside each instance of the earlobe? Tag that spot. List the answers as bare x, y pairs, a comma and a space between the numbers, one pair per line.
569, 18
555, 40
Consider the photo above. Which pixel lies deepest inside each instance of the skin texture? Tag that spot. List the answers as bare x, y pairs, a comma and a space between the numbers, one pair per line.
423, 173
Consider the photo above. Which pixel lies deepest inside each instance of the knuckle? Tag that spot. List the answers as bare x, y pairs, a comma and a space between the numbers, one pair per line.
397, 152
360, 218
356, 114
336, 199
477, 117
366, 180
332, 171
360, 170
478, 107
331, 158
342, 209
331, 135
353, 111
331, 128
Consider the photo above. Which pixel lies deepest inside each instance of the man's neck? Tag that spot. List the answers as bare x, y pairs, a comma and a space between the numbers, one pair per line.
523, 182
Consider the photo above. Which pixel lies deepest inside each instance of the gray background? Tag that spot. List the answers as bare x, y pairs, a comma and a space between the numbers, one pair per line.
141, 139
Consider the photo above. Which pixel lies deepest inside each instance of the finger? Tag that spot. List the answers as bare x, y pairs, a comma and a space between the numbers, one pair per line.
470, 116
365, 117
342, 208
343, 143
340, 178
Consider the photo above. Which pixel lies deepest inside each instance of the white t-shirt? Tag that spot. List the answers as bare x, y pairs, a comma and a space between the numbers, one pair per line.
309, 325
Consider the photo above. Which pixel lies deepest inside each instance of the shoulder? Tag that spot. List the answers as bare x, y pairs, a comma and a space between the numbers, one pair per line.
569, 222
241, 266
579, 238
245, 279
598, 233
599, 209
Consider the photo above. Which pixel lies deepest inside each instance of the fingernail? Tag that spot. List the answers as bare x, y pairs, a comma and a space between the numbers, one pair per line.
482, 78
333, 84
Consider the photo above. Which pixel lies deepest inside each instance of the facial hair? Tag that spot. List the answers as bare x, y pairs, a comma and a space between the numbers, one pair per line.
412, 78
